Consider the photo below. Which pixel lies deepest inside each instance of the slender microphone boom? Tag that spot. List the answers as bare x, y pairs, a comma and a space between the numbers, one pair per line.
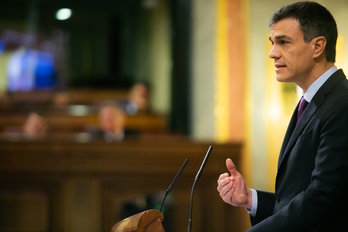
174, 181
194, 185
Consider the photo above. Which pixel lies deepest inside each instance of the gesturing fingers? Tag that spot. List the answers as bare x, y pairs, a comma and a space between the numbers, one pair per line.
223, 176
222, 181
231, 186
231, 167
226, 189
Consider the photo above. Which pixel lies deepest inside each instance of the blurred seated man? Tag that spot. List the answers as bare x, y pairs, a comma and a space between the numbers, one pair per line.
35, 126
112, 124
138, 99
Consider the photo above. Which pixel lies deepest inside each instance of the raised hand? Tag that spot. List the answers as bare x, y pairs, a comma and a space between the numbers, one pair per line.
232, 187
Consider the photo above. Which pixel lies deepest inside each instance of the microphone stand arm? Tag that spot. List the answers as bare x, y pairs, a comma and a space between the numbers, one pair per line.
194, 185
191, 205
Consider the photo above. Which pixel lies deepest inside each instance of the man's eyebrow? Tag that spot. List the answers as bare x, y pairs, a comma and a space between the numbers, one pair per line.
280, 37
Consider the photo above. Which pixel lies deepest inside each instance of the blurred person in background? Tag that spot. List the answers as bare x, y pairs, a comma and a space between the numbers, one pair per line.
138, 99
35, 126
112, 124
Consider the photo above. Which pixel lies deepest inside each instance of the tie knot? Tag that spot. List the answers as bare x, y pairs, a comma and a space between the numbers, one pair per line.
301, 108
303, 103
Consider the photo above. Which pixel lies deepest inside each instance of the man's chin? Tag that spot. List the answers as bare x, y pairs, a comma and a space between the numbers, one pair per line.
282, 79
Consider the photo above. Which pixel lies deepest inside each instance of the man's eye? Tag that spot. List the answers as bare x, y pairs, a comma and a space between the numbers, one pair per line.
283, 42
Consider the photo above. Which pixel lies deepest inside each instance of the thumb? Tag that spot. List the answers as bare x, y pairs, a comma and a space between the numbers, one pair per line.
231, 167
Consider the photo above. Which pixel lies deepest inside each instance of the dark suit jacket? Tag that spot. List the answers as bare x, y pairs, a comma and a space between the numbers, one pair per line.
311, 189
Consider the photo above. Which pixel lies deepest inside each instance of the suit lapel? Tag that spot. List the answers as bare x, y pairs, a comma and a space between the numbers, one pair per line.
297, 129
294, 131
288, 134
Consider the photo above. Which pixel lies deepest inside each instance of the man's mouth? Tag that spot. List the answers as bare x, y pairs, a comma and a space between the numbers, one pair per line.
278, 67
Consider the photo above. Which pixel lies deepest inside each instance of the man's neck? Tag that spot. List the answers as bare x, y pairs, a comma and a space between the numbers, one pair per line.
317, 71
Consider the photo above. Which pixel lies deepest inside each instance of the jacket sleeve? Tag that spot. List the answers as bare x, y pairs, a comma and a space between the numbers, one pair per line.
265, 205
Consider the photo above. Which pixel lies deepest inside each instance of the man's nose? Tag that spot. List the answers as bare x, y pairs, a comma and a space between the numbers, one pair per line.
274, 52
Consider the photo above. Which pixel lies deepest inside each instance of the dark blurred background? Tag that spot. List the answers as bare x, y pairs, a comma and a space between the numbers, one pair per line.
104, 44
70, 159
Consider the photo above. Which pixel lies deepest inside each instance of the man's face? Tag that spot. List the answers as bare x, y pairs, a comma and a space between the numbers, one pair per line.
111, 120
293, 57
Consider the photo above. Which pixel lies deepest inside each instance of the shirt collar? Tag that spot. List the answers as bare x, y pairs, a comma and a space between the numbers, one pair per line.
315, 86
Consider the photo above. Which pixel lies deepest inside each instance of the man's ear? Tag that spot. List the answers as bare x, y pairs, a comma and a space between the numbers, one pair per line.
319, 44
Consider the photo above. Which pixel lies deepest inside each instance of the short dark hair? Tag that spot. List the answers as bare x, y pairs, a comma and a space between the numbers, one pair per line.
315, 20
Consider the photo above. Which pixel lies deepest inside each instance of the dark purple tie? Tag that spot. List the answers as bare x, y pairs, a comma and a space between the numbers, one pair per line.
301, 108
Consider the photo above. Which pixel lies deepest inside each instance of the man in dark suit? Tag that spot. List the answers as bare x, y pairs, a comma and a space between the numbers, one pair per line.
312, 179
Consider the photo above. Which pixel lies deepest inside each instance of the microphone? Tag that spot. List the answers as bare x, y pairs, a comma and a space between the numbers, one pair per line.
174, 181
194, 185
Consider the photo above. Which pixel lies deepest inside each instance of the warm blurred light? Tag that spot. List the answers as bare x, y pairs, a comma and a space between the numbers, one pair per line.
274, 111
63, 14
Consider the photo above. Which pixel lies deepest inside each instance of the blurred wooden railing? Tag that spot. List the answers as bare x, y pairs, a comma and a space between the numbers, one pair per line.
69, 123
77, 110
60, 184
67, 97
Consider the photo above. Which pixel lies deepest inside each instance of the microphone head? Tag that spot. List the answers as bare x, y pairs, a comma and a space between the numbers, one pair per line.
178, 175
204, 162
